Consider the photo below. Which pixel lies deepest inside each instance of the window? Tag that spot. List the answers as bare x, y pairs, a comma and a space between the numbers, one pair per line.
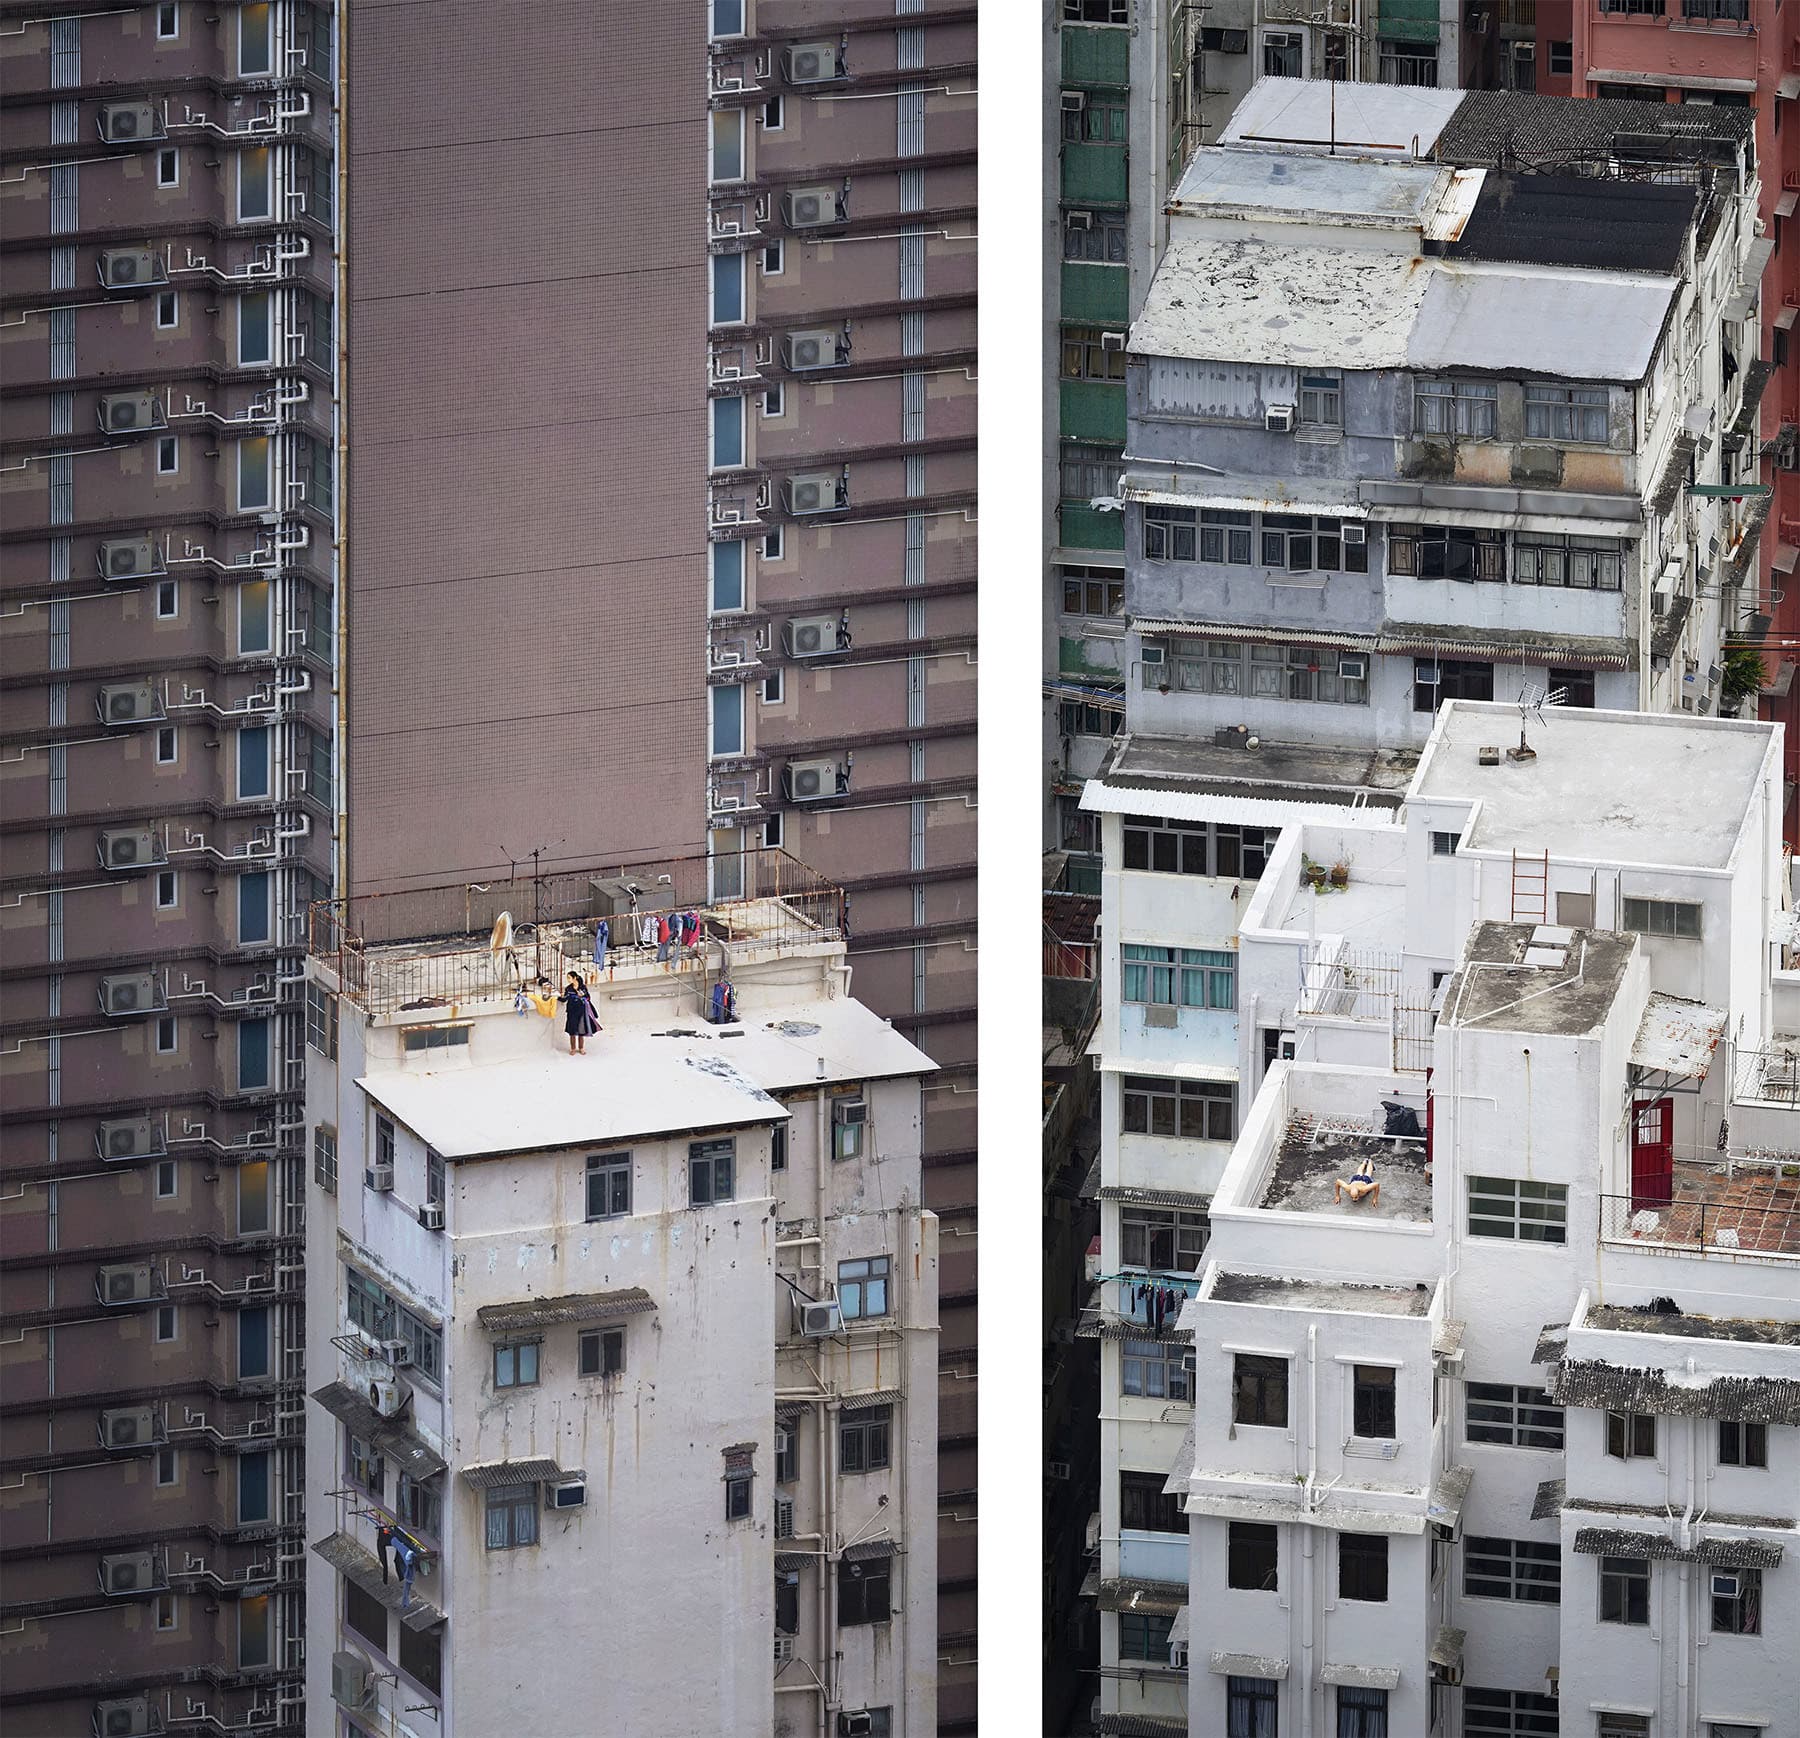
1252, 1707
1156, 1370
516, 1366
865, 1438
1625, 1590
1622, 1725
1521, 1569
167, 1035
1321, 400
710, 1168
1144, 1506
727, 561
849, 1126
1562, 59
1662, 917
1513, 1417
1737, 1602
1097, 11
727, 145
1188, 977
252, 1055
727, 720
1580, 563
1363, 1566
1283, 54
321, 1020
168, 169
1412, 63
253, 1343
419, 1038
727, 288
365, 1466
165, 745
384, 1141
602, 1351
772, 543
168, 889
168, 600
1265, 672
1089, 472
774, 400
1143, 1636
422, 1657
1631, 1435
1196, 847
1163, 1240
1197, 1110
255, 1504
1078, 718
1467, 408
1743, 1444
1250, 1556
1516, 1208
773, 256
727, 433
256, 1635
167, 1612
253, 473
773, 115
1098, 120
167, 1180
325, 1158
1736, 11
1372, 1402
863, 1287
1302, 543
168, 21
864, 1586
738, 1487
1576, 687
1086, 357
1361, 1713
787, 1454
727, 18
256, 199
1094, 237
168, 455
512, 1517
255, 341
255, 54
1446, 552
1565, 413
1259, 1390
167, 1324
255, 917
1093, 591
168, 310
253, 1198
369, 1307
1444, 844
609, 1186
168, 1466
254, 628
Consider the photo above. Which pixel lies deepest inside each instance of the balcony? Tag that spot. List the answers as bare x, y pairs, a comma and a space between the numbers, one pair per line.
1736, 1211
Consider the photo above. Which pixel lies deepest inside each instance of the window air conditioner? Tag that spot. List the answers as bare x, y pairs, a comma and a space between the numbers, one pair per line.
128, 850
1356, 533
1354, 666
1287, 1047
352, 1680
784, 1649
1074, 102
822, 1319
128, 123
123, 1719
1112, 340
810, 62
131, 268
380, 1178
431, 1215
129, 558
810, 636
810, 207
858, 1724
784, 1517
134, 703
567, 1494
389, 1396
1078, 220
1279, 419
132, 995
805, 781
123, 1285
128, 413
817, 347
133, 1574
816, 492
397, 1353
132, 1428
1726, 1587
135, 1139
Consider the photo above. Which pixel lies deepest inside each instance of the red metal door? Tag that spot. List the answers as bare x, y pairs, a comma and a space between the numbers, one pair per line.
1652, 1152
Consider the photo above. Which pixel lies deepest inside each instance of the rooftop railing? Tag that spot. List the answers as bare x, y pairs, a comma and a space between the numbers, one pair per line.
1731, 1211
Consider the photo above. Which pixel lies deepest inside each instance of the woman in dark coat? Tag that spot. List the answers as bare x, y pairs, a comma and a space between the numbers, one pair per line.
578, 1014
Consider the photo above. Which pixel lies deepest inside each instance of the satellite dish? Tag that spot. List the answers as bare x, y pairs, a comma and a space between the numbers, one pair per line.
501, 939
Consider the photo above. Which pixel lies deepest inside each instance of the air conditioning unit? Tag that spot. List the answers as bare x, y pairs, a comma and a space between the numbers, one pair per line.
1057, 1469
128, 413
1287, 1046
123, 1285
784, 1517
810, 207
858, 1724
137, 1138
1112, 340
1356, 533
135, 1573
395, 1353
820, 1320
389, 1396
130, 123
1073, 102
132, 268
136, 994
567, 1494
352, 1680
810, 636
431, 1215
129, 1718
816, 347
1726, 1586
850, 1121
1279, 419
1078, 219
784, 1649
804, 781
380, 1178
131, 703
129, 850
816, 492
810, 62
134, 1427
1354, 666
129, 558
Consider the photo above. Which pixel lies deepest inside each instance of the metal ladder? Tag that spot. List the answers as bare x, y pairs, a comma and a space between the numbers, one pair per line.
1530, 888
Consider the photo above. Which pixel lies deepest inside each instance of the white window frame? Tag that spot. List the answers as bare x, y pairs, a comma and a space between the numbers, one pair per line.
167, 1024
713, 10
247, 503
168, 157
725, 261
168, 591
167, 733
168, 455
266, 156
774, 687
168, 1613
170, 1314
717, 132
772, 830
243, 303
168, 13
267, 791
774, 544
267, 67
712, 435
776, 106
171, 880
774, 399
173, 1462
775, 248
713, 750
1502, 1193
1289, 39
1650, 913
167, 1171
171, 300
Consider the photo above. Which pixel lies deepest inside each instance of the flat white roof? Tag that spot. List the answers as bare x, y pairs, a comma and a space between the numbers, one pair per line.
1335, 189
1367, 120
1607, 787
1239, 300
635, 1084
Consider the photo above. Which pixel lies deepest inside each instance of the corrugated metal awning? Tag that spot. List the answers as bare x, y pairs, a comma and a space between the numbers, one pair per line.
351, 1561
1581, 651
549, 1312
1498, 518
1361, 1677
1552, 1343
870, 1549
790, 1561
487, 1474
1157, 1598
871, 1397
1262, 633
1248, 1666
399, 1444
1156, 1197
1719, 1553
1254, 495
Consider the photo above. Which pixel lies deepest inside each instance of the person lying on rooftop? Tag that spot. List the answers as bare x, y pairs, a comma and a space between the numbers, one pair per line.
1359, 1183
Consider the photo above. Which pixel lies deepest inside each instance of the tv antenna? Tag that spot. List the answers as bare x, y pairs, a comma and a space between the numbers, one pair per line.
1532, 701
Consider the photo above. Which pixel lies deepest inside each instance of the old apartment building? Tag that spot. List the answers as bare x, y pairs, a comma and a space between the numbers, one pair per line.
650, 1330
168, 349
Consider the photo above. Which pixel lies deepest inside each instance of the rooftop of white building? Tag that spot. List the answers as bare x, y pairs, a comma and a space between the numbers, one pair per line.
1375, 120
1347, 190
1626, 1319
1281, 1292
1523, 977
1603, 787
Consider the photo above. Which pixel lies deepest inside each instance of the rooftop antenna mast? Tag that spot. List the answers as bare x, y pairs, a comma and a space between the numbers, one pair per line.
537, 895
1531, 705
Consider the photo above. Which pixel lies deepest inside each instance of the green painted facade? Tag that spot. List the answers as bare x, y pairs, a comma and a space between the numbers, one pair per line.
1093, 174
1093, 410
1407, 20
1096, 58
1081, 527
1094, 295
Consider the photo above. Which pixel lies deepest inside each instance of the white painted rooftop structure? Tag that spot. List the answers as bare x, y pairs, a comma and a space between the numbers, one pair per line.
1383, 121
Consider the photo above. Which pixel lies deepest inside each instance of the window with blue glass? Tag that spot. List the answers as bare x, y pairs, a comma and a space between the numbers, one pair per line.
727, 577
253, 1055
254, 924
727, 433
1188, 977
727, 288
253, 761
253, 1344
